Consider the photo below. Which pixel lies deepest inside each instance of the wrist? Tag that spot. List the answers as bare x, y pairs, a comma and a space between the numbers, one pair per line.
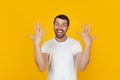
89, 45
36, 45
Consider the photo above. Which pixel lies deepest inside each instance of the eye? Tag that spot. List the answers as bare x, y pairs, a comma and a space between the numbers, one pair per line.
56, 24
64, 25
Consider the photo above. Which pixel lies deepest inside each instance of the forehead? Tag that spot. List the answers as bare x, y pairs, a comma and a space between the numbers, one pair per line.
59, 20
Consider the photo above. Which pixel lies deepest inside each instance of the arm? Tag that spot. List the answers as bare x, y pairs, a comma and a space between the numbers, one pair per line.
40, 59
82, 59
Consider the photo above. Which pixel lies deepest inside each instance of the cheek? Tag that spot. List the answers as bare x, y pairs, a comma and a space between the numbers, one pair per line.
65, 28
55, 27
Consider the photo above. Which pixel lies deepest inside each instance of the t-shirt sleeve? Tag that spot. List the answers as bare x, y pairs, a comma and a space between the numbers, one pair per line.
45, 48
77, 47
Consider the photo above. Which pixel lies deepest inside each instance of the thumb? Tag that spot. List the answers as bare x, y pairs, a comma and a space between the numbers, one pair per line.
80, 34
93, 37
31, 37
45, 32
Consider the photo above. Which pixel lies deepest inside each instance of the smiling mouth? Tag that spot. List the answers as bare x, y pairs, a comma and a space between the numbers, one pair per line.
59, 32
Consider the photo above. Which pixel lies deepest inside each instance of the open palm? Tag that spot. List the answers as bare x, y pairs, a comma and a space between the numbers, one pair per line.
38, 34
86, 35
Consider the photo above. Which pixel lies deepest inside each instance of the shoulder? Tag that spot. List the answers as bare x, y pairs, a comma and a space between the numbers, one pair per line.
48, 42
73, 40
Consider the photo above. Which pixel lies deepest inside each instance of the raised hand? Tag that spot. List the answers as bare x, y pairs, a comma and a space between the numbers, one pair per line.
38, 34
86, 35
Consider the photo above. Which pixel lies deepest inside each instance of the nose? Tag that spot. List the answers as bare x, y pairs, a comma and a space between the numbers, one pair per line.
60, 27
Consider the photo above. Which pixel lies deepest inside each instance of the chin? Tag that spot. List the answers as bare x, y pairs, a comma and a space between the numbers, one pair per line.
59, 37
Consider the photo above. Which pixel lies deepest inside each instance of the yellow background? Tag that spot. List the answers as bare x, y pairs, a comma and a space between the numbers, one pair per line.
16, 48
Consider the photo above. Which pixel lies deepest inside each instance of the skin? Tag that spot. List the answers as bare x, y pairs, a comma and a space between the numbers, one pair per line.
60, 29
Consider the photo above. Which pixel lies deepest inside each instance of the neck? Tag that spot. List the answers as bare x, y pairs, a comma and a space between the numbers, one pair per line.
61, 39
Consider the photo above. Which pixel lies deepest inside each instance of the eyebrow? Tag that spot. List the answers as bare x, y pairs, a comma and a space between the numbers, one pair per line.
56, 22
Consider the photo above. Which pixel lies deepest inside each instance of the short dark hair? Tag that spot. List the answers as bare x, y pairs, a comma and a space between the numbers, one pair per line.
62, 16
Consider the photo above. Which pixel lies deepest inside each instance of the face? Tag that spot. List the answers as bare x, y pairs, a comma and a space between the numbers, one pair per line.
60, 27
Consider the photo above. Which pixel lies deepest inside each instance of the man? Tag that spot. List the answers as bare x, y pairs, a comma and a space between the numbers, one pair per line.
61, 53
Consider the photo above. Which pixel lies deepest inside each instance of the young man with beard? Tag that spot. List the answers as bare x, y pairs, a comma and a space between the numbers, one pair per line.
62, 53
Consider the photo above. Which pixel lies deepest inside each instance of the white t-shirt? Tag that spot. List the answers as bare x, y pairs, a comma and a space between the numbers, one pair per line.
61, 58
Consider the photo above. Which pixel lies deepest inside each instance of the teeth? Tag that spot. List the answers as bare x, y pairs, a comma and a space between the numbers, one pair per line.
59, 31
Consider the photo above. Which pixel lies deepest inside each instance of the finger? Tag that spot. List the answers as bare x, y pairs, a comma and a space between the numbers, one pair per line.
83, 29
35, 27
89, 28
31, 37
38, 26
86, 29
